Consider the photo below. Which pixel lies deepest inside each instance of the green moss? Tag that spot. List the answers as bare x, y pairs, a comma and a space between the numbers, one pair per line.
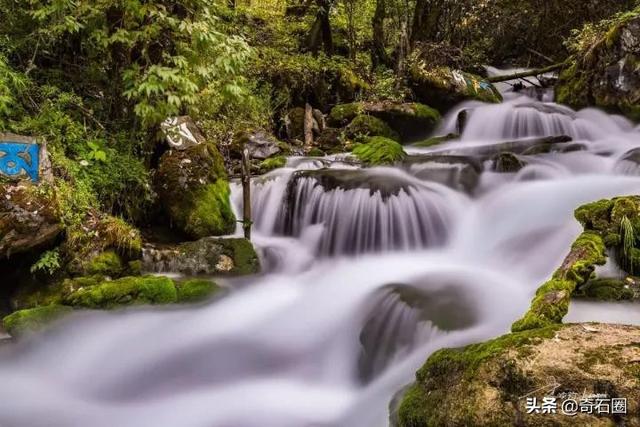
343, 114
315, 152
107, 263
365, 125
24, 321
196, 290
436, 140
423, 403
425, 112
123, 292
211, 213
272, 163
243, 254
379, 151
552, 299
595, 216
607, 290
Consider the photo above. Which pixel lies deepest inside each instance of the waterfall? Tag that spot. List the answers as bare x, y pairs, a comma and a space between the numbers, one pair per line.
368, 271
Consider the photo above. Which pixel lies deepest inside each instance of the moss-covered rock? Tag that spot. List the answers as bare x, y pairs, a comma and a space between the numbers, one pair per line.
604, 71
444, 87
196, 290
551, 302
194, 191
100, 294
436, 140
379, 151
29, 218
208, 256
609, 289
273, 163
488, 384
365, 126
507, 163
410, 120
24, 321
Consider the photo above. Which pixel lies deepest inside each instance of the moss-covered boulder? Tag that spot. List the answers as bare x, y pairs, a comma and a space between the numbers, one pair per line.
488, 384
105, 294
365, 126
23, 321
410, 120
443, 87
605, 69
378, 151
29, 218
208, 256
194, 191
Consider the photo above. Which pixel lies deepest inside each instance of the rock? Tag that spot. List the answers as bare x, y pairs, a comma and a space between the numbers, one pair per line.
25, 321
610, 289
411, 121
444, 88
489, 383
29, 219
461, 173
524, 146
507, 163
103, 245
233, 257
294, 124
194, 191
379, 151
606, 73
366, 126
273, 163
97, 293
260, 144
331, 140
350, 179
182, 133
25, 158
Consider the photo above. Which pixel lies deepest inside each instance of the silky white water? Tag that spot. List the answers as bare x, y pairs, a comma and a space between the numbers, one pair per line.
367, 273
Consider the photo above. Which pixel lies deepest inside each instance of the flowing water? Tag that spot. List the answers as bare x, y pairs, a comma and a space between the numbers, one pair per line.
367, 273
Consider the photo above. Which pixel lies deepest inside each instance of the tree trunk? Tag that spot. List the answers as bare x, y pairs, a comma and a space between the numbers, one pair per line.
320, 33
246, 194
308, 127
379, 56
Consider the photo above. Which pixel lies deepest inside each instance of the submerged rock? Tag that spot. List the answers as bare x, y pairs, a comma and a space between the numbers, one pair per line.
208, 256
489, 383
29, 219
458, 172
606, 72
444, 87
194, 191
507, 163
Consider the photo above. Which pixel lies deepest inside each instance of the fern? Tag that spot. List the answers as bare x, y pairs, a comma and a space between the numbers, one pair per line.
48, 263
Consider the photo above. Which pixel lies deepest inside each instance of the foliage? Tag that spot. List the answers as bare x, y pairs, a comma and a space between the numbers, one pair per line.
48, 263
379, 151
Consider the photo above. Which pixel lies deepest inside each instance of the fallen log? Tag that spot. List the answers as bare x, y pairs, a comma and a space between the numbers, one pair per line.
529, 73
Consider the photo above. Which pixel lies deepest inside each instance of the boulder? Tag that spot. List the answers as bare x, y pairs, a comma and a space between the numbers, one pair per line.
410, 120
33, 319
181, 133
231, 257
24, 158
366, 126
260, 145
606, 72
458, 172
444, 87
29, 219
194, 191
507, 163
504, 381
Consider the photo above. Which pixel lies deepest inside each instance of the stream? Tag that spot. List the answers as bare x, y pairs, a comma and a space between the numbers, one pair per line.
367, 272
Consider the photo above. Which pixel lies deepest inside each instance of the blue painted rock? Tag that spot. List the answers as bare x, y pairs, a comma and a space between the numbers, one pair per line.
23, 158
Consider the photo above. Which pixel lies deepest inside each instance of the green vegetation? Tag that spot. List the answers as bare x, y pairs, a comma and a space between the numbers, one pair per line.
24, 321
196, 290
364, 126
378, 151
